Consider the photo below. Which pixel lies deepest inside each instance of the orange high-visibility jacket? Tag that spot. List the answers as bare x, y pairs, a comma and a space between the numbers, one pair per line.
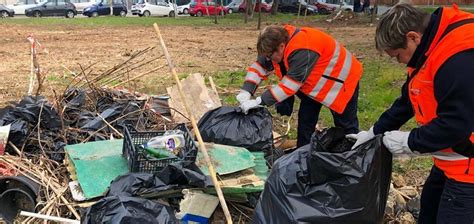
455, 34
332, 81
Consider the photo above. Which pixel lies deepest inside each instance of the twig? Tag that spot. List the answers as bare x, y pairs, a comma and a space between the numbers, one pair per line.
51, 218
112, 127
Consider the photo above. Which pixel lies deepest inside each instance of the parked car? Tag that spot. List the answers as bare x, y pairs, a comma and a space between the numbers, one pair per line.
183, 6
102, 8
324, 9
153, 8
338, 4
184, 9
198, 8
292, 6
264, 7
82, 4
22, 5
6, 12
233, 6
53, 8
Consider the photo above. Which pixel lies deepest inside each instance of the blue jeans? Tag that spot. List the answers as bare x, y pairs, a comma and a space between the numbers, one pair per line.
445, 200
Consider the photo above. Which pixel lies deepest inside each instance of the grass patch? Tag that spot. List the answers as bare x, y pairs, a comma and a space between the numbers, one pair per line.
228, 20
413, 164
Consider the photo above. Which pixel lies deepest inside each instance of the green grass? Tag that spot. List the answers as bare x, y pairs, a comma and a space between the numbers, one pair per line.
232, 19
431, 9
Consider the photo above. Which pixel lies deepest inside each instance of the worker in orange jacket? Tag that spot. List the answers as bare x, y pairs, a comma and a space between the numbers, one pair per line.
438, 50
310, 64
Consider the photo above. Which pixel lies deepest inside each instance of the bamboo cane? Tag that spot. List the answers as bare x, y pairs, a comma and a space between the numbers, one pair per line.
202, 147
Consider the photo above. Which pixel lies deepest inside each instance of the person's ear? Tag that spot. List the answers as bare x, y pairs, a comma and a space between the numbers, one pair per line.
414, 36
282, 46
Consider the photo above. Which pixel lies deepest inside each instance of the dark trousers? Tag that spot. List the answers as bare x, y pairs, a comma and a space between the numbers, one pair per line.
309, 113
446, 201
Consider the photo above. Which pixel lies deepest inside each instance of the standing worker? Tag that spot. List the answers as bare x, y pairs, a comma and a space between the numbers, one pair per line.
439, 53
312, 65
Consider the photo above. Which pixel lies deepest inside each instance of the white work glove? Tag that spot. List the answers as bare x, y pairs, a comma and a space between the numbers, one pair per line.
397, 142
243, 96
250, 104
362, 137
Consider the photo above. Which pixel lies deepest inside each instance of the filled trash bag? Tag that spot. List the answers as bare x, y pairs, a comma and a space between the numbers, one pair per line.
123, 209
316, 185
229, 126
179, 175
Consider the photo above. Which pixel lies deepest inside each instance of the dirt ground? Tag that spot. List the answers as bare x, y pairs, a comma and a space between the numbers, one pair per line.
193, 49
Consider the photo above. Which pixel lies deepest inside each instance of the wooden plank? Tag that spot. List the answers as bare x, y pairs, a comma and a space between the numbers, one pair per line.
203, 98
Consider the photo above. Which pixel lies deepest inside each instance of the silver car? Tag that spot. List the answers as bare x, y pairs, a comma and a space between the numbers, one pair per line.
6, 12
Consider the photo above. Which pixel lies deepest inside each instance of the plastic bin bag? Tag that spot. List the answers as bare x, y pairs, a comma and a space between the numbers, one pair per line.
315, 185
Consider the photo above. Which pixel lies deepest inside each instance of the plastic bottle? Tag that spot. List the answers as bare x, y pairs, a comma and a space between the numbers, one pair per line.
171, 141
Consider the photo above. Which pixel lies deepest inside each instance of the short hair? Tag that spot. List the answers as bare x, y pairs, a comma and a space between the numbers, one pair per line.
396, 23
270, 38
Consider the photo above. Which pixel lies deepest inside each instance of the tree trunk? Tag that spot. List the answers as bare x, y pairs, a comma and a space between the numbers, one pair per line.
275, 7
259, 13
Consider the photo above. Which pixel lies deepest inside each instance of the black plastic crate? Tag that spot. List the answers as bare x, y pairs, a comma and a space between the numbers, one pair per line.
136, 155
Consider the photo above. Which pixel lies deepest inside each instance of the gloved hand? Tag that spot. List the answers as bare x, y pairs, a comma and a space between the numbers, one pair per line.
243, 96
250, 104
362, 137
397, 142
285, 107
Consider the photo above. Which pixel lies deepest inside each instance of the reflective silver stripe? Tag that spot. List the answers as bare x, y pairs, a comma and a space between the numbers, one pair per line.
327, 71
448, 156
336, 88
259, 68
253, 77
278, 93
290, 84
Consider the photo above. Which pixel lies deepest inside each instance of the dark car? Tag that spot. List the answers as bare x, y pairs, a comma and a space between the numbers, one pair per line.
103, 8
292, 6
6, 12
53, 8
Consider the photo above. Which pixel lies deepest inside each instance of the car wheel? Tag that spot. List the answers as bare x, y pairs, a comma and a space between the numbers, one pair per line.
199, 13
123, 13
171, 14
146, 13
230, 11
185, 11
95, 14
4, 14
37, 14
70, 14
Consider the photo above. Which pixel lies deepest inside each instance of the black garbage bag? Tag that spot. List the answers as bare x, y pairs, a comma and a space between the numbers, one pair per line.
178, 175
123, 209
229, 126
350, 187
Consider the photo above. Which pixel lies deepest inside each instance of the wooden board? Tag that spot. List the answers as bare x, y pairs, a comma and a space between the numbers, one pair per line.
199, 98
96, 164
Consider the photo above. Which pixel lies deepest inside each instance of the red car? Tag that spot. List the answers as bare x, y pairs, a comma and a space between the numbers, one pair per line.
198, 8
264, 7
324, 9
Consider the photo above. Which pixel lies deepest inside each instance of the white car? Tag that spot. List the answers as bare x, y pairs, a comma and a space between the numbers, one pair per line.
23, 5
153, 8
338, 4
82, 4
184, 9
